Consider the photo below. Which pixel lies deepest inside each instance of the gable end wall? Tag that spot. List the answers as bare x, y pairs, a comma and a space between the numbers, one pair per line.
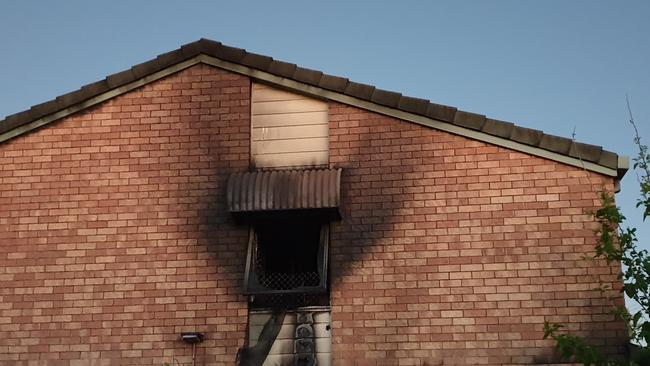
114, 238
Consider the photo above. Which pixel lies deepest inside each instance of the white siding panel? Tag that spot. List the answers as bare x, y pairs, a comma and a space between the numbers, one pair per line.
324, 359
285, 346
290, 132
288, 106
281, 353
257, 319
268, 95
288, 129
293, 159
289, 145
290, 119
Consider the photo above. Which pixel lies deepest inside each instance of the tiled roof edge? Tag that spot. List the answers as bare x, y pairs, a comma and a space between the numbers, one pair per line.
369, 93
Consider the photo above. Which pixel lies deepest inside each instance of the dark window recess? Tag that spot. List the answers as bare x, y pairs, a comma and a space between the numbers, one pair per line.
287, 256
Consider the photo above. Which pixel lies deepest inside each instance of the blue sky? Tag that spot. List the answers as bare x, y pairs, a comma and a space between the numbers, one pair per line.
553, 65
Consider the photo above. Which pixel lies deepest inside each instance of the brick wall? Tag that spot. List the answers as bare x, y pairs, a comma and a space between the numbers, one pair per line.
113, 231
114, 238
452, 251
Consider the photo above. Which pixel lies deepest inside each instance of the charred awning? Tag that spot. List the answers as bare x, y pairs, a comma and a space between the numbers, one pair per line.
255, 193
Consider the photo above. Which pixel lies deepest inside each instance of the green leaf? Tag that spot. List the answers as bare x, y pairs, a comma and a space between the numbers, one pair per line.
636, 318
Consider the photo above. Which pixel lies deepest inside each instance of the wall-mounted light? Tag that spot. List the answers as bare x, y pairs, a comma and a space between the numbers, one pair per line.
192, 338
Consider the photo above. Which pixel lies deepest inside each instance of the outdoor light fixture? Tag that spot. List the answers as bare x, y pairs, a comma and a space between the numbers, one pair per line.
192, 338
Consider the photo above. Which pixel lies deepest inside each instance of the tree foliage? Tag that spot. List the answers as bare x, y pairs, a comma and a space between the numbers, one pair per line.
618, 244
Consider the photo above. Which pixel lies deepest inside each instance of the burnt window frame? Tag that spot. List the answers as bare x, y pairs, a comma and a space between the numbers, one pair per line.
252, 286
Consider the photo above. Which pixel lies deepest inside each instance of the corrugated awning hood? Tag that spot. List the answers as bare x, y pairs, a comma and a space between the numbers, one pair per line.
276, 190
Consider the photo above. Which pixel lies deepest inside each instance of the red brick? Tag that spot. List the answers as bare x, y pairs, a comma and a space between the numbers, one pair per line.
449, 248
514, 200
128, 119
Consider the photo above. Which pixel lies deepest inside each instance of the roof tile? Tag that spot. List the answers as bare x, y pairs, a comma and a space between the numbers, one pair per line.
95, 88
39, 110
170, 58
470, 120
608, 159
441, 112
71, 98
307, 76
209, 47
526, 136
556, 144
585, 152
498, 128
256, 61
146, 68
413, 105
358, 90
14, 120
334, 83
226, 53
385, 97
193, 49
120, 78
282, 68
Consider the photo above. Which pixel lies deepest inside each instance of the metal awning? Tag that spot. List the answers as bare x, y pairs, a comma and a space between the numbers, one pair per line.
275, 190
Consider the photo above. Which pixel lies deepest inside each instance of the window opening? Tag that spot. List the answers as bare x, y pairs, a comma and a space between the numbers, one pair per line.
287, 255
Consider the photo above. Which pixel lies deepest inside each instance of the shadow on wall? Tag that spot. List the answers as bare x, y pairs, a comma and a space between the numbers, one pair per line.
381, 188
211, 249
403, 187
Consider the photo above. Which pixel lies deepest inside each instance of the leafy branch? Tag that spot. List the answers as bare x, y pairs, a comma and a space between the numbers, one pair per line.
616, 244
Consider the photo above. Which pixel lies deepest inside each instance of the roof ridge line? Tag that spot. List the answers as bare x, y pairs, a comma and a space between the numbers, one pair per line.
369, 93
